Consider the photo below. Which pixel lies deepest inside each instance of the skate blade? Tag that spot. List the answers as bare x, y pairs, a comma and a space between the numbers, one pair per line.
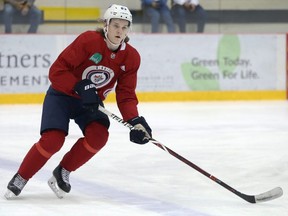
54, 187
9, 195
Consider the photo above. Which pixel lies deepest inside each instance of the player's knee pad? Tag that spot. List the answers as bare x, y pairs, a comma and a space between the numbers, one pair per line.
96, 136
51, 142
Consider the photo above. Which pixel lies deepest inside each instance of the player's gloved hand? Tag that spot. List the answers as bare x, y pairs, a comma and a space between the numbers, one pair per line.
141, 132
88, 93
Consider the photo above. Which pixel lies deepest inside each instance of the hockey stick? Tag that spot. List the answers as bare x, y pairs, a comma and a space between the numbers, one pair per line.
263, 197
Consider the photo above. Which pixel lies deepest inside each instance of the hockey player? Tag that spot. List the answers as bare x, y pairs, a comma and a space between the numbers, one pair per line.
81, 77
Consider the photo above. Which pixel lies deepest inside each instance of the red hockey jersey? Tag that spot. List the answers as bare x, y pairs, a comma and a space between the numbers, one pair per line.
88, 57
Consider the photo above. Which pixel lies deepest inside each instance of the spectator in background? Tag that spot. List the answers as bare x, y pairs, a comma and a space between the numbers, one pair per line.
156, 9
25, 8
183, 8
1, 5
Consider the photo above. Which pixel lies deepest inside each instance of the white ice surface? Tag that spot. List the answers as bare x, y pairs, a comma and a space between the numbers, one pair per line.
244, 144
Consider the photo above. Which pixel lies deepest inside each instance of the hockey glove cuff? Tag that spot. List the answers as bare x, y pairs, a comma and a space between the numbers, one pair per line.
141, 132
88, 93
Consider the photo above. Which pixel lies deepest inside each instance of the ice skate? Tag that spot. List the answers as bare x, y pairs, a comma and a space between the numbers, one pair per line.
59, 182
15, 186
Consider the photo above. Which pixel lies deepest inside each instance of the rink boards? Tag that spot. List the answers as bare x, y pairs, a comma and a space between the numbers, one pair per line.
174, 67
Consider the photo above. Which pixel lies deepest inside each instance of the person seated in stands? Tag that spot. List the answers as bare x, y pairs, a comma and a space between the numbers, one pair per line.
1, 5
23, 7
184, 8
156, 9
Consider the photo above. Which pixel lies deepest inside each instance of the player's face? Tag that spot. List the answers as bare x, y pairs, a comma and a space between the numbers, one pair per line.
118, 30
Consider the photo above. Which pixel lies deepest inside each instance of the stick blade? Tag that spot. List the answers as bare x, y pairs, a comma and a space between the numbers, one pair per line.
269, 195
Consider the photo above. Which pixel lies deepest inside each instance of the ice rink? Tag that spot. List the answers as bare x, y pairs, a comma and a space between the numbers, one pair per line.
244, 144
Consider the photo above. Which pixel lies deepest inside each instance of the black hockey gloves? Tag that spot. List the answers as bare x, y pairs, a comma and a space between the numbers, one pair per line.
141, 132
88, 93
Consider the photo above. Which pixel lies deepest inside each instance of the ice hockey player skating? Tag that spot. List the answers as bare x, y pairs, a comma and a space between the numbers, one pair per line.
81, 77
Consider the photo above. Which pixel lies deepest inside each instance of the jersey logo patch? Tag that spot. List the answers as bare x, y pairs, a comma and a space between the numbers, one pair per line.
96, 57
99, 75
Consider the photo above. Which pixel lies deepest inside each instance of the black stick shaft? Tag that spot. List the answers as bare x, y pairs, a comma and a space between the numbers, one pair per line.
269, 195
194, 166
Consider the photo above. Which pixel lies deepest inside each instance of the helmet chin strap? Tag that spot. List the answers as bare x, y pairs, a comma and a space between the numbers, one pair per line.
113, 46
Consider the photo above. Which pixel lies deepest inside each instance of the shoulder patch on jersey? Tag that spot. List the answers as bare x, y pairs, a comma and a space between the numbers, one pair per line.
96, 57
